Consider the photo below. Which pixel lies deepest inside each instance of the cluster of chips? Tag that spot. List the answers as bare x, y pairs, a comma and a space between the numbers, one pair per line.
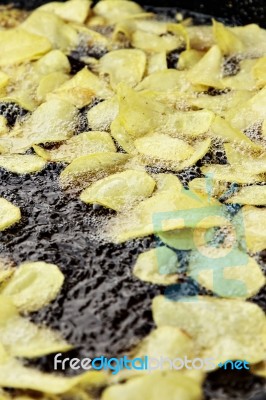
149, 118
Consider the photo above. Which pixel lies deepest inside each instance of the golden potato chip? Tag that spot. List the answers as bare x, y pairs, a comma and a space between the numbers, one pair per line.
9, 214
227, 41
71, 10
259, 72
120, 190
254, 195
116, 10
226, 173
254, 220
152, 43
103, 114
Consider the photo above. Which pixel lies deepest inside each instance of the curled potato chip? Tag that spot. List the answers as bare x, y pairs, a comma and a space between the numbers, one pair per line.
125, 65
17, 45
82, 88
200, 149
71, 10
189, 58
21, 338
33, 285
168, 79
120, 134
103, 114
9, 214
86, 169
163, 148
208, 70
49, 26
223, 329
158, 266
153, 386
254, 220
119, 191
227, 41
222, 129
226, 173
116, 10
250, 112
242, 279
54, 61
222, 103
166, 210
152, 43
156, 62
49, 83
254, 195
81, 145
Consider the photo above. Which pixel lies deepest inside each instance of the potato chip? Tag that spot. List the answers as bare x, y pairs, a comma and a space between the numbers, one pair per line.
227, 41
49, 83
125, 65
82, 88
54, 61
119, 191
21, 338
180, 239
9, 214
226, 173
254, 195
87, 169
223, 329
189, 58
259, 72
4, 79
52, 28
200, 37
208, 70
71, 10
208, 187
116, 10
230, 281
152, 43
33, 285
120, 134
244, 79
156, 62
81, 145
17, 45
253, 39
160, 147
155, 386
169, 79
158, 266
103, 114
254, 220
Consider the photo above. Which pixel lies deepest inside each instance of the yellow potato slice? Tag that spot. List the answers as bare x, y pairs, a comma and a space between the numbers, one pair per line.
17, 45
49, 83
120, 134
82, 88
81, 145
168, 79
52, 28
254, 220
9, 214
119, 191
208, 70
222, 129
158, 266
253, 38
252, 195
200, 149
230, 281
227, 41
189, 58
22, 164
223, 329
226, 173
208, 187
180, 239
103, 114
200, 37
87, 169
166, 210
116, 10
33, 285
152, 43
54, 61
156, 62
125, 65
170, 384
160, 147
71, 10
22, 338
250, 112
